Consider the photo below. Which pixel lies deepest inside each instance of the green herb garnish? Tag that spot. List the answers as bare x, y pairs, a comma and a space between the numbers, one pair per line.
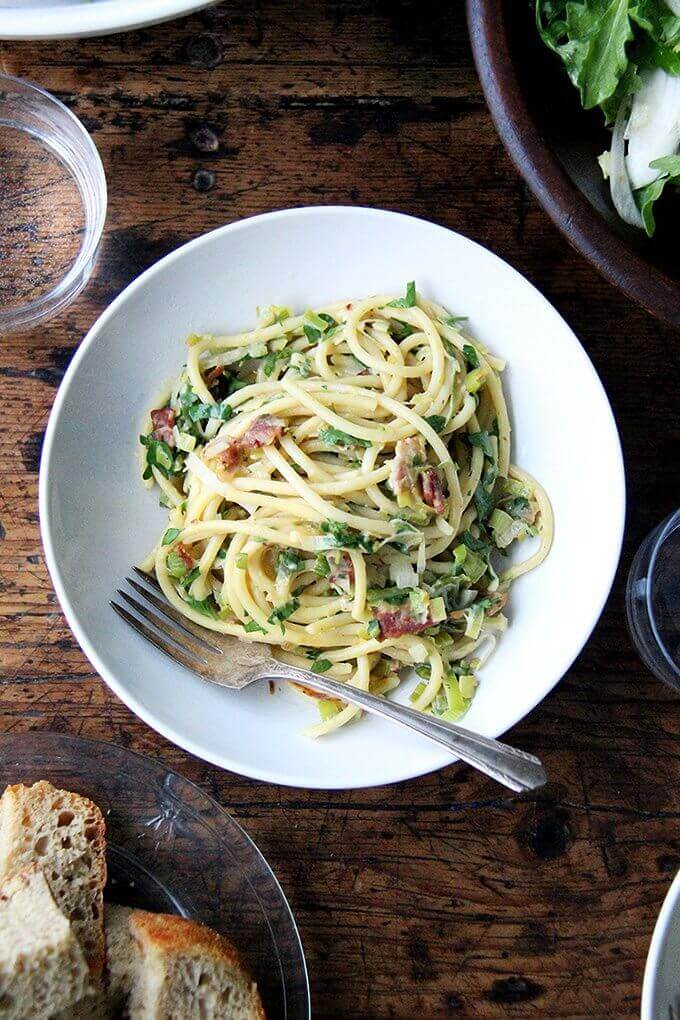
405, 302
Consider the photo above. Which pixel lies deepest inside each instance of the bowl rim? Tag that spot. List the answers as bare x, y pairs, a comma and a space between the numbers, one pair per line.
568, 208
649, 982
125, 693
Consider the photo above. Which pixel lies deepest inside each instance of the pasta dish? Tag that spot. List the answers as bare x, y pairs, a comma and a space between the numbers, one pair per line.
339, 485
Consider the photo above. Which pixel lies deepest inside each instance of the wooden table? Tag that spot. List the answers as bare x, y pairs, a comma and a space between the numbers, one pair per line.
442, 896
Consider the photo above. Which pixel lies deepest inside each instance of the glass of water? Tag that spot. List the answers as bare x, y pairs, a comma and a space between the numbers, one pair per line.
653, 601
52, 204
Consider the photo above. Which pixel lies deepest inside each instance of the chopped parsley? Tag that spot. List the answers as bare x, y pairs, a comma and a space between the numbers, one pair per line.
251, 627
320, 665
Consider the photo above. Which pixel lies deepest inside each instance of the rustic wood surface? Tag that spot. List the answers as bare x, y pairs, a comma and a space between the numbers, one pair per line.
441, 896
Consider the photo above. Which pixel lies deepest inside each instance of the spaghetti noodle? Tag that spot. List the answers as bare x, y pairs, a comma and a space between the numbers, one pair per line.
339, 485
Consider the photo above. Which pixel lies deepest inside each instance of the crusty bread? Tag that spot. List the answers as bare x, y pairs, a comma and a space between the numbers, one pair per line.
122, 956
63, 833
188, 972
42, 966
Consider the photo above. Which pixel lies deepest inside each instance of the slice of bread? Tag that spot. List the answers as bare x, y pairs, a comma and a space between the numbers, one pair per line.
122, 956
188, 972
42, 966
63, 834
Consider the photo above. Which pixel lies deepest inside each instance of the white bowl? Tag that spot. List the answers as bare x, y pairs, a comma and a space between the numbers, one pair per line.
66, 19
661, 985
97, 519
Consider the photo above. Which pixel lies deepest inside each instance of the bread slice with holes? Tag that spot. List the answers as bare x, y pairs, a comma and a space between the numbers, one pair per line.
42, 965
188, 972
64, 834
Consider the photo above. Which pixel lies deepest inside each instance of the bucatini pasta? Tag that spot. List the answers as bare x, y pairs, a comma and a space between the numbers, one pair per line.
339, 484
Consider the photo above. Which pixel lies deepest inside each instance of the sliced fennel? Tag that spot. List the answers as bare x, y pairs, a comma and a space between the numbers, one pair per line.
653, 129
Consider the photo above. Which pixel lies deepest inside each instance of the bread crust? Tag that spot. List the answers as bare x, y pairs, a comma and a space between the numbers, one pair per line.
174, 935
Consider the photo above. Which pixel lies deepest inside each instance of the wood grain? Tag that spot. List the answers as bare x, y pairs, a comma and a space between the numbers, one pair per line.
441, 897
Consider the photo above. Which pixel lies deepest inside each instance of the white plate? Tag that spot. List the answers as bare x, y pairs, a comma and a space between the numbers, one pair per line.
66, 19
661, 985
97, 519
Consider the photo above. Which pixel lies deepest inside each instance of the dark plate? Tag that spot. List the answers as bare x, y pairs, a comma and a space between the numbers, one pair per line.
554, 144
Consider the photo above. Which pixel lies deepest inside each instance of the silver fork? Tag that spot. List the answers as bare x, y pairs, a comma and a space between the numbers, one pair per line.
236, 664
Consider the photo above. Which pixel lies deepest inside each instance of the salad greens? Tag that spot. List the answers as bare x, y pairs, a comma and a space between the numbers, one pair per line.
623, 56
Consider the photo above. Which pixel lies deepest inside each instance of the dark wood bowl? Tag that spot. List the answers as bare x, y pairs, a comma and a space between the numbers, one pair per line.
554, 145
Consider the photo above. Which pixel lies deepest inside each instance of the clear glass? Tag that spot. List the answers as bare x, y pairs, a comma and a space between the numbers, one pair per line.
653, 601
52, 204
172, 848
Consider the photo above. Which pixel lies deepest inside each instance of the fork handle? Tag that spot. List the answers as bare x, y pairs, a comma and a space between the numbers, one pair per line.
513, 768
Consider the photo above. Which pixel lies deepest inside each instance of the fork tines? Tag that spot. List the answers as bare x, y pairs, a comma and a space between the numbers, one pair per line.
166, 628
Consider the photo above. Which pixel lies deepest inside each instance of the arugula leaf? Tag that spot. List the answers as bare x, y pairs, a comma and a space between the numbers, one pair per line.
405, 302
322, 567
189, 578
482, 440
205, 606
336, 437
591, 38
288, 562
471, 356
341, 536
282, 613
270, 361
436, 421
313, 335
474, 544
647, 196
170, 536
484, 502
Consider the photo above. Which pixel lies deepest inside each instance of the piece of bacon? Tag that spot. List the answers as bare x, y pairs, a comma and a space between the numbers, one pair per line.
432, 490
341, 576
184, 554
409, 455
394, 623
264, 431
162, 420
